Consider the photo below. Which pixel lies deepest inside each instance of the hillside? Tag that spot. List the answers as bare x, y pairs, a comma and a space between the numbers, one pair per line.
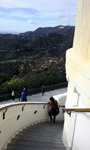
28, 52
51, 45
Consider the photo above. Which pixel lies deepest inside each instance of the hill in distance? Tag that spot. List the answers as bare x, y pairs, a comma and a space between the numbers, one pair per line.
36, 51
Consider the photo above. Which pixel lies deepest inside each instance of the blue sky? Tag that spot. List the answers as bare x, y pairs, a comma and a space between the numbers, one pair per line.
18, 16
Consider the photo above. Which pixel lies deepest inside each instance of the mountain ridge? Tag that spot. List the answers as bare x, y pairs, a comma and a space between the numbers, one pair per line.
46, 30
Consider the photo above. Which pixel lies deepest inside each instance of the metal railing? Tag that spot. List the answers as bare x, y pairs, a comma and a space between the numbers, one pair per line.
69, 110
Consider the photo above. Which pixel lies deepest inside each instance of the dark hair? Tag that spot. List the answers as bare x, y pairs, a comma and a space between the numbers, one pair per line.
51, 99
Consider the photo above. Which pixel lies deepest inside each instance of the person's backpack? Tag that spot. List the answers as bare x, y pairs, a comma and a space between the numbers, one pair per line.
56, 110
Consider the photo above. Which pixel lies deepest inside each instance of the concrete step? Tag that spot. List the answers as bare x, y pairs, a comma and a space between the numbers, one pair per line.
35, 148
41, 136
35, 142
36, 136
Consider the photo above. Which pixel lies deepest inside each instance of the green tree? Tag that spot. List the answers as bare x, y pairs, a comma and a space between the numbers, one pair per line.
53, 74
31, 79
43, 78
3, 78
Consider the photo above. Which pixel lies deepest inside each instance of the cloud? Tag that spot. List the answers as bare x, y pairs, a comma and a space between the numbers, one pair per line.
54, 14
44, 8
32, 22
71, 3
21, 13
37, 4
62, 15
74, 14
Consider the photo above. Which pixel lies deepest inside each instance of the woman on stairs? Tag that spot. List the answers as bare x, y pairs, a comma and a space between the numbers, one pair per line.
54, 111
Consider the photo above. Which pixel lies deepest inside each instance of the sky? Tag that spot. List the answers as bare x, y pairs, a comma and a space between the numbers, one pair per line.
19, 16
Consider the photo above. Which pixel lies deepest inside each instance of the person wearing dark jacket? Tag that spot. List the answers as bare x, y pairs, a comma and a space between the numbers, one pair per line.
19, 95
54, 110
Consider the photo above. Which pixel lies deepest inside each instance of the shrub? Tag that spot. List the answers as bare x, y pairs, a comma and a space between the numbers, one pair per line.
14, 83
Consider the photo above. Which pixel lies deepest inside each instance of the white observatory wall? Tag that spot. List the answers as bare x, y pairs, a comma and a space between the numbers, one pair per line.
81, 44
81, 139
76, 133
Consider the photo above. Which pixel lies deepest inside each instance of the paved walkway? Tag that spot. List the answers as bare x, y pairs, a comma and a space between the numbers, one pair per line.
38, 97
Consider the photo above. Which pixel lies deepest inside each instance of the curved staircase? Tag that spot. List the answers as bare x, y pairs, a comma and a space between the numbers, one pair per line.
40, 136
